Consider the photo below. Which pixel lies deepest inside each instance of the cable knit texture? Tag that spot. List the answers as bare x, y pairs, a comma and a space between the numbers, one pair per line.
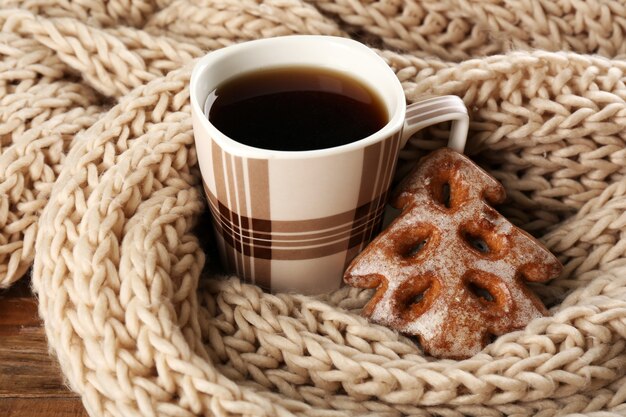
100, 194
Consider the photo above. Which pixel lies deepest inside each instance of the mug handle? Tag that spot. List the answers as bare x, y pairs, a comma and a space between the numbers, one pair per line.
435, 110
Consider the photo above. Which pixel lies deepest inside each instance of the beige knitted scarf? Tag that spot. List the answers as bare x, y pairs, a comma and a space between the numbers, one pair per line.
99, 193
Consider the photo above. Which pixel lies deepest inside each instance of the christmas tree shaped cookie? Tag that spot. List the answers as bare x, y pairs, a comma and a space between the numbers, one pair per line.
450, 269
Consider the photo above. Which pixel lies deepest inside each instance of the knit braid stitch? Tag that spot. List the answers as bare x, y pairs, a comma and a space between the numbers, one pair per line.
101, 189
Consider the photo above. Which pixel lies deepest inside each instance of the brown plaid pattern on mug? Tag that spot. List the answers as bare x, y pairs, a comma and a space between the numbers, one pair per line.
253, 241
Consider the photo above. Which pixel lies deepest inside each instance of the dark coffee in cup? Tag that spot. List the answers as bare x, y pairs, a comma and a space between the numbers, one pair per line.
295, 109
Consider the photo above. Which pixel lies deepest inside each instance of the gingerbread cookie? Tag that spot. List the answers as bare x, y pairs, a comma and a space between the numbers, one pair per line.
450, 270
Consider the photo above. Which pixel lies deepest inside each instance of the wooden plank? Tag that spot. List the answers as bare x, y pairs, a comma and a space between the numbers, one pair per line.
31, 384
19, 311
21, 288
26, 368
42, 407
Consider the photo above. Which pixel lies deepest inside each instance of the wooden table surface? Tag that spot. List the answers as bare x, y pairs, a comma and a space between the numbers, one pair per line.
30, 379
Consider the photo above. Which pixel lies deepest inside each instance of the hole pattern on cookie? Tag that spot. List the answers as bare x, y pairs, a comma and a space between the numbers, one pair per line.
445, 194
451, 267
415, 242
480, 292
477, 243
416, 299
416, 248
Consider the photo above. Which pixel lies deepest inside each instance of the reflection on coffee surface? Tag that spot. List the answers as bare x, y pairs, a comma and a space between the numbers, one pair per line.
295, 109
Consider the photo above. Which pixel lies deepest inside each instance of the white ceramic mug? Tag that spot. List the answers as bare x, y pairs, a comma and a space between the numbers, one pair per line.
292, 221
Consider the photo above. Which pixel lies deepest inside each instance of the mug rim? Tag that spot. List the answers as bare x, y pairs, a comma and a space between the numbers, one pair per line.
396, 118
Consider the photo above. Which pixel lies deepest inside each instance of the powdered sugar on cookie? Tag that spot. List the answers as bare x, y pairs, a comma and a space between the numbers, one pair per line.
450, 270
